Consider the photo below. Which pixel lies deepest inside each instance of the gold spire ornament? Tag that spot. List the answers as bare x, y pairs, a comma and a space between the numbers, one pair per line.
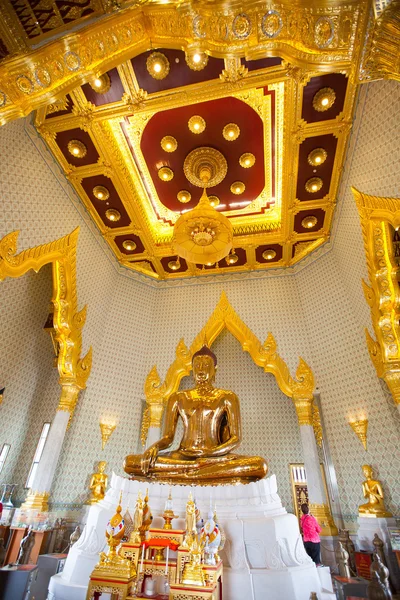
191, 531
168, 513
193, 573
147, 517
135, 537
106, 430
360, 429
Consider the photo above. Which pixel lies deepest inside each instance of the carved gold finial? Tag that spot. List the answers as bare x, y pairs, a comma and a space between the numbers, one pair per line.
137, 520
106, 430
360, 429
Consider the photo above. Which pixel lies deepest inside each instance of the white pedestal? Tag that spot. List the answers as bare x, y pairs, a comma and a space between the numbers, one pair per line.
367, 527
263, 556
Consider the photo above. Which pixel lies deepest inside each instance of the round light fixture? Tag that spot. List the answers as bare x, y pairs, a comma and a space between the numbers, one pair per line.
101, 84
196, 124
214, 201
269, 254
324, 99
232, 258
113, 215
237, 188
196, 60
231, 132
314, 184
129, 245
165, 174
169, 143
101, 193
309, 222
184, 196
77, 148
157, 65
317, 157
174, 265
247, 160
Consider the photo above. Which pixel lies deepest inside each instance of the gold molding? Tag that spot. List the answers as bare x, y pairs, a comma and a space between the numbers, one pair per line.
300, 388
67, 320
377, 214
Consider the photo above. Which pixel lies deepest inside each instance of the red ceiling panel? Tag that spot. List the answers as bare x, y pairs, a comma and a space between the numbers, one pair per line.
114, 94
59, 113
179, 73
338, 83
166, 259
217, 114
114, 201
306, 171
260, 249
262, 63
62, 139
119, 239
315, 212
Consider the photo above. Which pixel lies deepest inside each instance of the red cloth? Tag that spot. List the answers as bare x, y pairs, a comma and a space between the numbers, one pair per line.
163, 542
311, 529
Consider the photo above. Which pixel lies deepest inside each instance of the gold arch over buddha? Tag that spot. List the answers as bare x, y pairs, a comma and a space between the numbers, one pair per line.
265, 355
67, 320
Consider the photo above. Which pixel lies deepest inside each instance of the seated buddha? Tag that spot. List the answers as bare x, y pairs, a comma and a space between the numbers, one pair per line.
373, 491
211, 432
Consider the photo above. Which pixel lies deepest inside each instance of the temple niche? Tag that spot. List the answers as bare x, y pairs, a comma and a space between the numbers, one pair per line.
175, 190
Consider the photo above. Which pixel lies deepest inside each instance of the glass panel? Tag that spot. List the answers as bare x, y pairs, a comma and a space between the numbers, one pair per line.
3, 455
38, 454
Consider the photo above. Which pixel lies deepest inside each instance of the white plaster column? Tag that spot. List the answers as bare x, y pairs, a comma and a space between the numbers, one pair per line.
154, 432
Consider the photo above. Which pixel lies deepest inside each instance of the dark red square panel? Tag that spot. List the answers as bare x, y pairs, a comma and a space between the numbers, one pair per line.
91, 156
306, 171
101, 206
114, 94
275, 247
338, 83
318, 213
120, 239
167, 259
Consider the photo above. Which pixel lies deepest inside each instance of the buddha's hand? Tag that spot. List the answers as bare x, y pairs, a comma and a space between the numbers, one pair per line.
149, 457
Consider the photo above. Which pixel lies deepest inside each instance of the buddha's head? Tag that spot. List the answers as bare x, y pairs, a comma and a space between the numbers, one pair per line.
367, 470
101, 466
204, 363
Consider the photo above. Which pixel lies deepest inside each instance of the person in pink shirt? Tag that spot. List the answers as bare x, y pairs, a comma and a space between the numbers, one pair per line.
311, 530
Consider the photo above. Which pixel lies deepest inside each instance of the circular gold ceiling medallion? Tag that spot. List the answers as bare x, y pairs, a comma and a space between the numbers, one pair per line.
237, 187
165, 174
214, 201
169, 143
101, 84
129, 245
174, 265
157, 65
184, 196
314, 184
77, 148
231, 132
324, 99
196, 60
247, 160
101, 192
317, 157
196, 124
269, 254
205, 167
113, 215
309, 222
232, 258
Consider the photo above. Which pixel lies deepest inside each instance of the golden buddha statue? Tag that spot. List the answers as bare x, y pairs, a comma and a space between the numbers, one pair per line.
372, 489
211, 431
98, 483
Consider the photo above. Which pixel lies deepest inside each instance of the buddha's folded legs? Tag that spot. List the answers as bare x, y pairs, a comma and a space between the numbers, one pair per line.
173, 467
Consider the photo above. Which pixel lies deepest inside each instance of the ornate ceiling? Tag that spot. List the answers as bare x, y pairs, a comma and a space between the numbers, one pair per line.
272, 90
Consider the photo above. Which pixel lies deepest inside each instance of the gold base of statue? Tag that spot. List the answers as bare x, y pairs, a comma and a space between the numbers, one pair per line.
37, 501
324, 517
378, 515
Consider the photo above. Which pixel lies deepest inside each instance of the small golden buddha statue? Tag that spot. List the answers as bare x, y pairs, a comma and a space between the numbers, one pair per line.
98, 483
372, 490
211, 431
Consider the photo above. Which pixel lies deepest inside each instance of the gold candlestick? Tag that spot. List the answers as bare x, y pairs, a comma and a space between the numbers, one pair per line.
360, 429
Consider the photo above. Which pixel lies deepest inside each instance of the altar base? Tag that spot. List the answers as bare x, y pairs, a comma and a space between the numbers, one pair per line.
367, 527
263, 554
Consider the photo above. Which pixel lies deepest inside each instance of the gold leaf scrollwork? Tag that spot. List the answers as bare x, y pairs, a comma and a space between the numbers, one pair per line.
316, 422
145, 425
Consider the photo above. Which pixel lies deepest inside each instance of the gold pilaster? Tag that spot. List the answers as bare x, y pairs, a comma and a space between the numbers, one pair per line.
36, 501
304, 410
324, 517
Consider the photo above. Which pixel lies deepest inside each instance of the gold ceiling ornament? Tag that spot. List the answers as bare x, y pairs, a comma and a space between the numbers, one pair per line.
184, 196
231, 132
106, 430
269, 254
169, 143
314, 184
101, 192
196, 60
165, 174
174, 265
157, 65
205, 167
317, 157
129, 245
360, 429
101, 84
237, 188
247, 160
232, 258
112, 214
324, 99
214, 200
309, 222
77, 148
196, 124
